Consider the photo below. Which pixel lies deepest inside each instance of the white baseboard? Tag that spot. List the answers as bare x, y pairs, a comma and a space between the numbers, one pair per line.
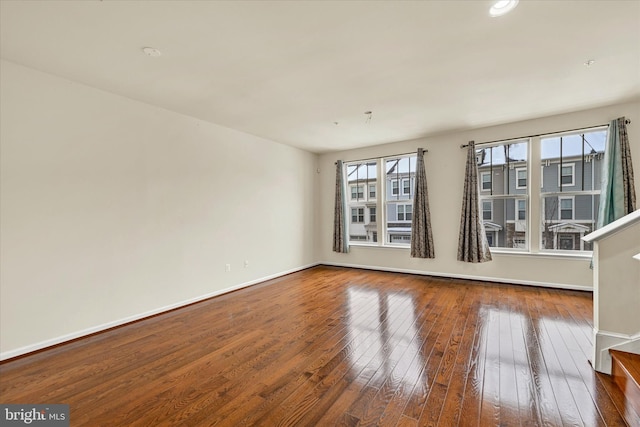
604, 341
463, 276
103, 327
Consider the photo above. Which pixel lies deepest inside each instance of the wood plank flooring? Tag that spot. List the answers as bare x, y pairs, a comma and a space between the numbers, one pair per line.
332, 346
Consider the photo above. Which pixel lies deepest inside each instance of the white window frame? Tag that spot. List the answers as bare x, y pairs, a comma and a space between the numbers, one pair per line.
573, 174
490, 201
356, 187
482, 182
518, 210
374, 192
373, 216
395, 189
406, 193
573, 208
526, 177
404, 212
357, 215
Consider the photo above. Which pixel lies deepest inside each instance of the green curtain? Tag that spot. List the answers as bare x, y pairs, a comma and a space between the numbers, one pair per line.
618, 195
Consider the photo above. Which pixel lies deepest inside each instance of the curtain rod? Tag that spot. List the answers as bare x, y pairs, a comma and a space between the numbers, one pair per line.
391, 155
540, 134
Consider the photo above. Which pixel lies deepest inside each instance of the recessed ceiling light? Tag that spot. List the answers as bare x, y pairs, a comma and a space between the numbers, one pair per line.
502, 7
150, 51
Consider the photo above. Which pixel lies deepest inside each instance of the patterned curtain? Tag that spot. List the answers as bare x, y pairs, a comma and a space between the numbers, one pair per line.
421, 237
340, 243
618, 197
472, 241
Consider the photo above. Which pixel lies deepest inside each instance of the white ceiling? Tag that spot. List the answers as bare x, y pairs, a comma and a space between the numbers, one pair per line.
287, 70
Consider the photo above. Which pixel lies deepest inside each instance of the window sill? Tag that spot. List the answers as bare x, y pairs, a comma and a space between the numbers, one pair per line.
565, 255
374, 245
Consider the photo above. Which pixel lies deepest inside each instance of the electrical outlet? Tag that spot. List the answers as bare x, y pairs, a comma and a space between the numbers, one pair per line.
227, 267
246, 264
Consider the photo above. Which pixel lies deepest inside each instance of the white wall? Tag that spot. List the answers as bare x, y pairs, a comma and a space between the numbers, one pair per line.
445, 169
111, 208
618, 282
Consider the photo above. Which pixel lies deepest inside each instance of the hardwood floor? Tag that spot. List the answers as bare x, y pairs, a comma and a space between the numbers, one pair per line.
333, 346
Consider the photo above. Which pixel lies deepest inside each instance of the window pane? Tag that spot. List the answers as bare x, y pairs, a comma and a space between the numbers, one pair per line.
498, 166
400, 173
504, 221
566, 220
361, 180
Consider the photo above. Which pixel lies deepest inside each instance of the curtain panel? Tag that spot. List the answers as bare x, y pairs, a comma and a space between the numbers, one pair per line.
618, 196
421, 236
472, 241
340, 242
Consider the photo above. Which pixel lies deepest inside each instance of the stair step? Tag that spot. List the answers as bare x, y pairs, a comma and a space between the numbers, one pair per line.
625, 370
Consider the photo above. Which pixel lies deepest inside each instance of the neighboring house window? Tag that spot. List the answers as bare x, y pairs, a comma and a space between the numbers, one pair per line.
490, 238
406, 186
357, 215
486, 181
372, 214
357, 192
394, 187
521, 178
487, 210
404, 212
522, 209
567, 175
566, 208
372, 192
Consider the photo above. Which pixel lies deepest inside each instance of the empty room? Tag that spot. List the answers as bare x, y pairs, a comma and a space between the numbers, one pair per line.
319, 213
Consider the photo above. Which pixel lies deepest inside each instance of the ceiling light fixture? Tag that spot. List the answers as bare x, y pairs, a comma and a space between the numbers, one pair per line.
502, 7
589, 63
150, 51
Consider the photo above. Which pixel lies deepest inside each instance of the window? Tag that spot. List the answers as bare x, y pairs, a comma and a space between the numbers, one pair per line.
571, 167
566, 242
357, 192
404, 212
490, 238
566, 175
566, 208
487, 210
399, 175
503, 174
406, 186
394, 176
521, 178
361, 178
522, 209
394, 187
357, 215
486, 181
